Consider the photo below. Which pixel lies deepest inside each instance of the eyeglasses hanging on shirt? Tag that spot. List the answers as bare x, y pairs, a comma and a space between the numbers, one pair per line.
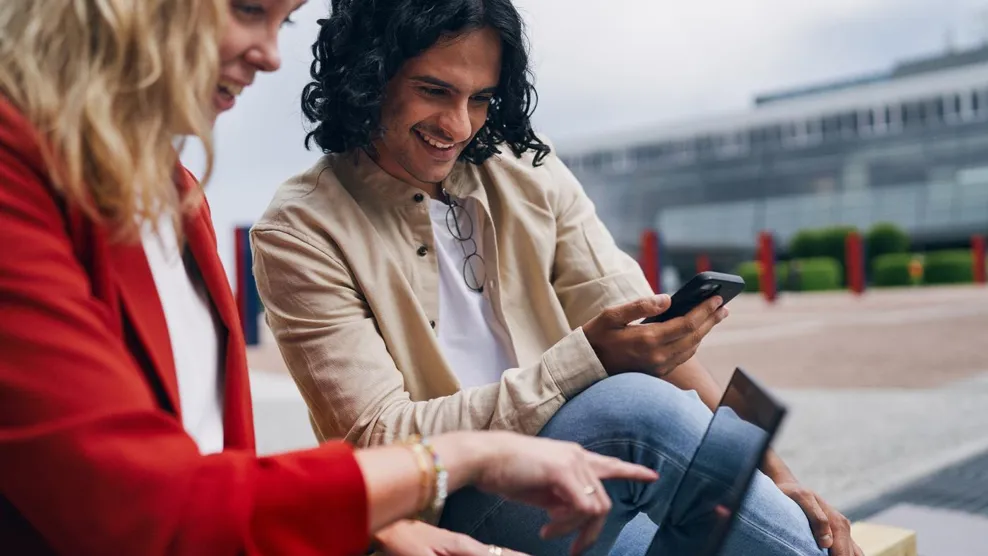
460, 226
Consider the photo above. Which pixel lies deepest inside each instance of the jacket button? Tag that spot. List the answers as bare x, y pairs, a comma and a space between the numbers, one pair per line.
423, 251
419, 197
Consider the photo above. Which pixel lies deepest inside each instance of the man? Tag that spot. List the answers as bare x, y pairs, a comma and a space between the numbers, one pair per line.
441, 269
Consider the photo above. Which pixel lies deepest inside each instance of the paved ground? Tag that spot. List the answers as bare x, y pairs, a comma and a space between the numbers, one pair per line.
961, 487
852, 445
911, 338
883, 390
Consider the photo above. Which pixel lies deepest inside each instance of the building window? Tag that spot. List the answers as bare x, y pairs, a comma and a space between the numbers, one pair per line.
792, 135
849, 125
704, 145
814, 133
646, 155
831, 127
894, 116
623, 162
951, 108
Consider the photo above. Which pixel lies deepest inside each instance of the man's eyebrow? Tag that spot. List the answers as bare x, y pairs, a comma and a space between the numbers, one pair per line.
428, 79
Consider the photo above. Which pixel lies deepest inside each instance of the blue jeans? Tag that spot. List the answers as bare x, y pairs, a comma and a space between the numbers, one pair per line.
644, 420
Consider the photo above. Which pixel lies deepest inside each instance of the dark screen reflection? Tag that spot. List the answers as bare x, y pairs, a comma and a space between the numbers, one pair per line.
712, 489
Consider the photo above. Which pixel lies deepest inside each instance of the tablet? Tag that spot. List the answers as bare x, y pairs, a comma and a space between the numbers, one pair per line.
721, 471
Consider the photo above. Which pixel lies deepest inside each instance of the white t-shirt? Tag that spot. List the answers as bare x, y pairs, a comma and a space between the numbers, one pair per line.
470, 337
194, 330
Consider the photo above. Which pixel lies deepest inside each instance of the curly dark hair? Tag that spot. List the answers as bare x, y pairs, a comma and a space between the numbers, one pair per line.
363, 45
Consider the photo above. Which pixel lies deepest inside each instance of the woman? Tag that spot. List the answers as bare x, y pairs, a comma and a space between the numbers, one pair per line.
125, 417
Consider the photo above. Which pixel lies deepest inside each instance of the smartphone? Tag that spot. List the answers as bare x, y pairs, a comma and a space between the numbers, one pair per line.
700, 288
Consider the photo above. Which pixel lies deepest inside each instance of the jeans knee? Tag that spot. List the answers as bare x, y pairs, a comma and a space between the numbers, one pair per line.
637, 405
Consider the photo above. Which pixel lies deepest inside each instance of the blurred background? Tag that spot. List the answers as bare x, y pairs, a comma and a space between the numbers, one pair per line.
745, 136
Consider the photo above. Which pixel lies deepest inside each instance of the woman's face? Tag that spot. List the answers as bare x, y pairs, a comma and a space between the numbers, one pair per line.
250, 45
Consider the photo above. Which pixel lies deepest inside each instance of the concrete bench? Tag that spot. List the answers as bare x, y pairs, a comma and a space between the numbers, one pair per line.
883, 540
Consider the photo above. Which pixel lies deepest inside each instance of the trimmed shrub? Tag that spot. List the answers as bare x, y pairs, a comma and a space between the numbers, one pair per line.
782, 277
816, 274
948, 267
885, 238
892, 269
806, 244
833, 243
748, 270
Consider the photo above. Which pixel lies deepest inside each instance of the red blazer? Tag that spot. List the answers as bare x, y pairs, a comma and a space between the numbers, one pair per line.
93, 456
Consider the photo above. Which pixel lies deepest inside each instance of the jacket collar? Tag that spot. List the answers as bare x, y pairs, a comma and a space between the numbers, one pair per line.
368, 182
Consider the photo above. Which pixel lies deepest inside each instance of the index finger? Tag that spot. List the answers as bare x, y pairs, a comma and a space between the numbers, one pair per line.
606, 467
843, 544
693, 321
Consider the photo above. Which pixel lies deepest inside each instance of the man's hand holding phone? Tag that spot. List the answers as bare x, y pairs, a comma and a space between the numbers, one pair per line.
623, 345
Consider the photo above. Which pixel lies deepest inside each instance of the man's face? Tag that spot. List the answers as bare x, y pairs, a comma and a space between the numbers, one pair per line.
435, 106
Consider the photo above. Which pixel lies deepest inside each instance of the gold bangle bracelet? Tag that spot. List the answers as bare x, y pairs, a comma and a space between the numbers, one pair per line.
428, 477
440, 478
426, 472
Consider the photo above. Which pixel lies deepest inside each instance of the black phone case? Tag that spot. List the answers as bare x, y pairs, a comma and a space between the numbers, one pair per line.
701, 287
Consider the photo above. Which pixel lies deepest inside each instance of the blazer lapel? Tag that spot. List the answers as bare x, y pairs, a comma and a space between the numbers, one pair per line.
238, 417
143, 308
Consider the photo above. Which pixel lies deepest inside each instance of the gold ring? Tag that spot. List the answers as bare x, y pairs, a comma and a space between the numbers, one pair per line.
589, 490
495, 550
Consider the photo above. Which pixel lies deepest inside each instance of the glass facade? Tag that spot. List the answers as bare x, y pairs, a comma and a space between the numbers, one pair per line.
921, 163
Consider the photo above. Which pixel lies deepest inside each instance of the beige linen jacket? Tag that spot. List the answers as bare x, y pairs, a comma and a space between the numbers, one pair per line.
344, 264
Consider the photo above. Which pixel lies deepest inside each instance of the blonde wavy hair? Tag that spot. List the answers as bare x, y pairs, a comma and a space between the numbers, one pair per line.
112, 86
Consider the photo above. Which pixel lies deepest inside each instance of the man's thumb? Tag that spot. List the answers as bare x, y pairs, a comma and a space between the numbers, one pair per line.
640, 309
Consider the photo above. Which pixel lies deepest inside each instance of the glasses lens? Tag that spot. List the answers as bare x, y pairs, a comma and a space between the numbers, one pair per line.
459, 223
474, 272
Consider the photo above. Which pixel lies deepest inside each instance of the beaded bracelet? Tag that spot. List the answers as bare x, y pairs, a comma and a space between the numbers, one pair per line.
442, 478
435, 477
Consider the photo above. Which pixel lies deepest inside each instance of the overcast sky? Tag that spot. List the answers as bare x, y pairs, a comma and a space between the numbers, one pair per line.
607, 66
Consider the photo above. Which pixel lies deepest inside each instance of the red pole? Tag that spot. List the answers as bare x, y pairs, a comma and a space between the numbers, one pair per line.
766, 259
854, 261
649, 259
978, 259
703, 263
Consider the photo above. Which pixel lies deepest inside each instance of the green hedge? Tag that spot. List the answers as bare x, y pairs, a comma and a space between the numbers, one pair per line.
833, 242
825, 242
748, 270
948, 267
885, 238
806, 244
892, 269
817, 274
